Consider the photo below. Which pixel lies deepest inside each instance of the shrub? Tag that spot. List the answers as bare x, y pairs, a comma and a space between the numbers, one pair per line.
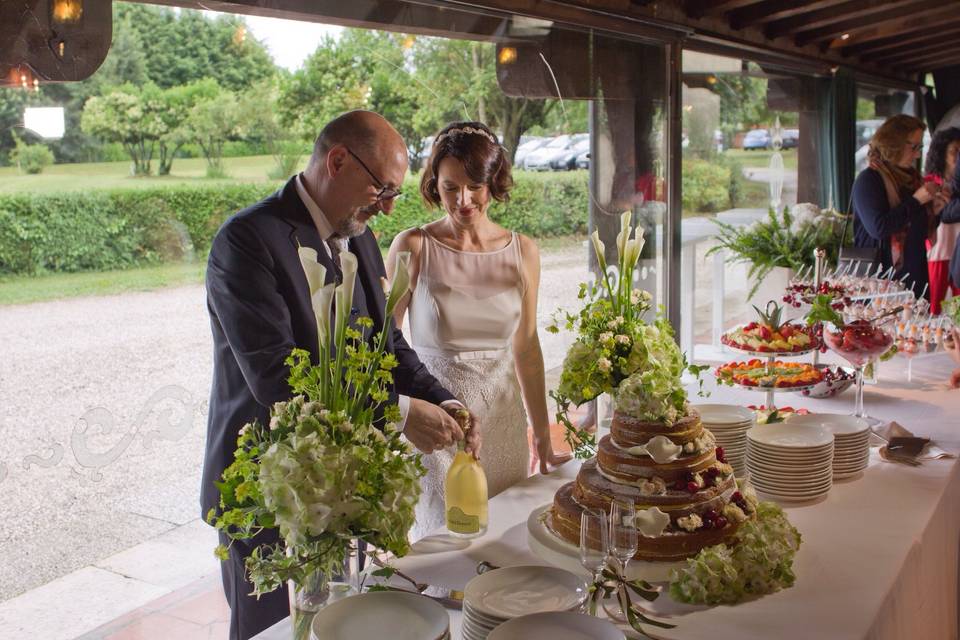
706, 186
31, 158
113, 229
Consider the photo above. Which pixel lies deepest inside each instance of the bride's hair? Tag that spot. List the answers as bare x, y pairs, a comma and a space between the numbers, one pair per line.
484, 159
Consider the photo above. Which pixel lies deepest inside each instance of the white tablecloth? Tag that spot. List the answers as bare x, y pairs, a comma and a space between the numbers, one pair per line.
879, 553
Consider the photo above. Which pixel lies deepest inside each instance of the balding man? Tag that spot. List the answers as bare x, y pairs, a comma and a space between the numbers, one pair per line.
259, 304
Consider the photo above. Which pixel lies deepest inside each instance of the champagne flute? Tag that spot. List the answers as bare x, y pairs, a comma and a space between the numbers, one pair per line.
623, 544
593, 540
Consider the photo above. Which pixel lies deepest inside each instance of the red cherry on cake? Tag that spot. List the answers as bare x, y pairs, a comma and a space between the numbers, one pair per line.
720, 522
693, 487
720, 455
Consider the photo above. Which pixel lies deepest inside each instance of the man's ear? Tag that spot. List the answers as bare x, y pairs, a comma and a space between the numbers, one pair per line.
336, 160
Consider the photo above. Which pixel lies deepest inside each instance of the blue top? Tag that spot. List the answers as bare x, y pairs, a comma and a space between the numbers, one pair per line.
874, 221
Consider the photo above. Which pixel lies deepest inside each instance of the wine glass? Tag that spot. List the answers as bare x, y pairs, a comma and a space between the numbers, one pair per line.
593, 541
858, 342
623, 544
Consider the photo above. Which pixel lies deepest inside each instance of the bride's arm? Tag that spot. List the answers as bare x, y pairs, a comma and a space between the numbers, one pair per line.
528, 358
409, 240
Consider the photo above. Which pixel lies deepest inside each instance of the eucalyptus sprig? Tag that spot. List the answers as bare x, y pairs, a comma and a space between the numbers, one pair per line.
612, 582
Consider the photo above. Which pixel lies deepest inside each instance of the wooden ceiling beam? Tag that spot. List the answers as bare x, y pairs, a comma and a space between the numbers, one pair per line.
700, 8
893, 20
918, 53
770, 11
923, 62
917, 43
855, 10
868, 47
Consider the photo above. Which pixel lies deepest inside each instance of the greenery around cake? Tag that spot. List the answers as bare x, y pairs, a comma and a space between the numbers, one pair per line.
617, 351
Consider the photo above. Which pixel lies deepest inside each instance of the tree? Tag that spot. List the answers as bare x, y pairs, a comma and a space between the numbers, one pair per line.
126, 62
176, 103
130, 116
259, 110
363, 69
461, 77
210, 123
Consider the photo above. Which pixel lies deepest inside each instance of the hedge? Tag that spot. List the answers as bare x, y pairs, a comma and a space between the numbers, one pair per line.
115, 229
99, 230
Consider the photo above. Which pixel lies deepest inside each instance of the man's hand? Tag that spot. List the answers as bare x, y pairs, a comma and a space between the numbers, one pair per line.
474, 440
429, 427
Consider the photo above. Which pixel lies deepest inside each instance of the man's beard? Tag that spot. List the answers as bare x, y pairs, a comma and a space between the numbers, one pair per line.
353, 226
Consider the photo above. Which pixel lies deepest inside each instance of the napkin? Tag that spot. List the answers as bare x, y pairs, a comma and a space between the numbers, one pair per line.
901, 443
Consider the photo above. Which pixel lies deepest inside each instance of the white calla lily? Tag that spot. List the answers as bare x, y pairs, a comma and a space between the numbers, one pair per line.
651, 522
600, 249
624, 234
344, 292
316, 273
322, 301
401, 281
634, 247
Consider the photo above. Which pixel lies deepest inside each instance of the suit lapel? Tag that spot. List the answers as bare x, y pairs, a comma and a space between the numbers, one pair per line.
367, 251
303, 232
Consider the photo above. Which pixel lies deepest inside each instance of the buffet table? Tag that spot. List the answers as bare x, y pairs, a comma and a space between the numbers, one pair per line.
879, 555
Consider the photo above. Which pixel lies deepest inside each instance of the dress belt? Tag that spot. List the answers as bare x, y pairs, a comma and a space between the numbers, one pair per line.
490, 354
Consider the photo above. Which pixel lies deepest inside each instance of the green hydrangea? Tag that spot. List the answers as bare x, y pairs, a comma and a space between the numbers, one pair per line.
759, 562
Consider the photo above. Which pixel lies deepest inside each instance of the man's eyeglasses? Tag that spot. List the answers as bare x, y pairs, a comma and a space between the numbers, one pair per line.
385, 193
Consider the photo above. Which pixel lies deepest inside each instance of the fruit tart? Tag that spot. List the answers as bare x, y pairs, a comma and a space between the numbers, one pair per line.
780, 375
771, 335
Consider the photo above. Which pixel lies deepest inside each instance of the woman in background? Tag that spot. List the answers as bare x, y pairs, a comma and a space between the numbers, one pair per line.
889, 199
940, 166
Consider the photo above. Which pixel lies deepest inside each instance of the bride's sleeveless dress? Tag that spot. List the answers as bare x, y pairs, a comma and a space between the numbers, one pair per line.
463, 314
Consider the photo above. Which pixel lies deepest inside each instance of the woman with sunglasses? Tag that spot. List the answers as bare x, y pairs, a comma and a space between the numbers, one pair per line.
889, 201
473, 311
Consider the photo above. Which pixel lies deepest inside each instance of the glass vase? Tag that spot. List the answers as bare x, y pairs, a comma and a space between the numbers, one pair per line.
306, 599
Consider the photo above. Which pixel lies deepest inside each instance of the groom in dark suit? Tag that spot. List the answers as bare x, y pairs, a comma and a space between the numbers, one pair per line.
259, 304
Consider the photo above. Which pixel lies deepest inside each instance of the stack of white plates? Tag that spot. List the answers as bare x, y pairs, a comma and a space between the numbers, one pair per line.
382, 614
790, 461
495, 597
729, 424
564, 625
851, 440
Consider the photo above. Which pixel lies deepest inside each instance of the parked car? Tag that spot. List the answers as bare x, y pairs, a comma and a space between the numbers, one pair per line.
526, 147
865, 131
567, 160
757, 139
790, 139
583, 160
539, 160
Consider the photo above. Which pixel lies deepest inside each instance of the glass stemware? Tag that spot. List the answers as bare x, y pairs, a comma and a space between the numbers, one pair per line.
593, 541
858, 343
623, 544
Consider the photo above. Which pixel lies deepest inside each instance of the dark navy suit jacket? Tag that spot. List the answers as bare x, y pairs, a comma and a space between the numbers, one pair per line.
259, 304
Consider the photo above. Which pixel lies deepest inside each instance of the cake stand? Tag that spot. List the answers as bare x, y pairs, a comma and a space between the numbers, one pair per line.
560, 553
771, 357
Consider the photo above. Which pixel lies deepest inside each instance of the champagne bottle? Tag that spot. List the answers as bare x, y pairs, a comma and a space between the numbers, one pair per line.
466, 490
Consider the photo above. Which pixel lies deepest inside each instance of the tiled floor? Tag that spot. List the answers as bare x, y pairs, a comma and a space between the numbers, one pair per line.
198, 611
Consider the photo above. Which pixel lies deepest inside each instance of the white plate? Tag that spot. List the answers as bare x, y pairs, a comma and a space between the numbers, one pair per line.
789, 436
785, 498
847, 474
788, 466
806, 487
795, 452
557, 626
511, 592
723, 414
399, 616
837, 423
480, 619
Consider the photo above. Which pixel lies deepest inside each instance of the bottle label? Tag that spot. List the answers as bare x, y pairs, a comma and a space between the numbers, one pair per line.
460, 522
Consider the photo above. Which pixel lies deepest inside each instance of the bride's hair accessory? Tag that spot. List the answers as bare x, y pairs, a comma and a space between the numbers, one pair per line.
465, 131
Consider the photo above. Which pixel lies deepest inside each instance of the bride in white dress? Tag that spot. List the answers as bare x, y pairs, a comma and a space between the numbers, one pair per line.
473, 313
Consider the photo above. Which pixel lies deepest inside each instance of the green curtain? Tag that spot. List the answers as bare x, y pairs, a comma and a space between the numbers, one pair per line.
837, 137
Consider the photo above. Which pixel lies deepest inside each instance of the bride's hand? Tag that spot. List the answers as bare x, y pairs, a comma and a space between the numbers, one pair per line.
545, 455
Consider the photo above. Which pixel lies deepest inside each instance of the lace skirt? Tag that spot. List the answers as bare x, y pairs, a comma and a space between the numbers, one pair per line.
487, 384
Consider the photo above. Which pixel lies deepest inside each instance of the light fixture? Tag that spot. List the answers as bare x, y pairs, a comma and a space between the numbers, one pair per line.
507, 55
845, 36
66, 11
711, 79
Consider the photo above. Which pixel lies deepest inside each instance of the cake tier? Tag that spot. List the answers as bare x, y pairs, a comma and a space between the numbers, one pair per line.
593, 489
630, 432
674, 544
634, 469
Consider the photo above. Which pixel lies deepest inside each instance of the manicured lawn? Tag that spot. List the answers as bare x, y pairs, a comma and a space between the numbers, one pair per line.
26, 289
116, 175
761, 158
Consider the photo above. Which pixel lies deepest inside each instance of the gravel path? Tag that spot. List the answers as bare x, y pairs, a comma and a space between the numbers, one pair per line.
103, 418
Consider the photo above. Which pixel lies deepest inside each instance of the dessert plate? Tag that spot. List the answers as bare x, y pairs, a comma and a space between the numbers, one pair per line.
557, 626
515, 591
788, 436
399, 616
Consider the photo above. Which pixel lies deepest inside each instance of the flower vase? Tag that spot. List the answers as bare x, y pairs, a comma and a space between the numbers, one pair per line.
306, 599
348, 582
605, 407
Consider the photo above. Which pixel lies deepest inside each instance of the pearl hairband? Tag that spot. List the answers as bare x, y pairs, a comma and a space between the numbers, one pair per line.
466, 130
